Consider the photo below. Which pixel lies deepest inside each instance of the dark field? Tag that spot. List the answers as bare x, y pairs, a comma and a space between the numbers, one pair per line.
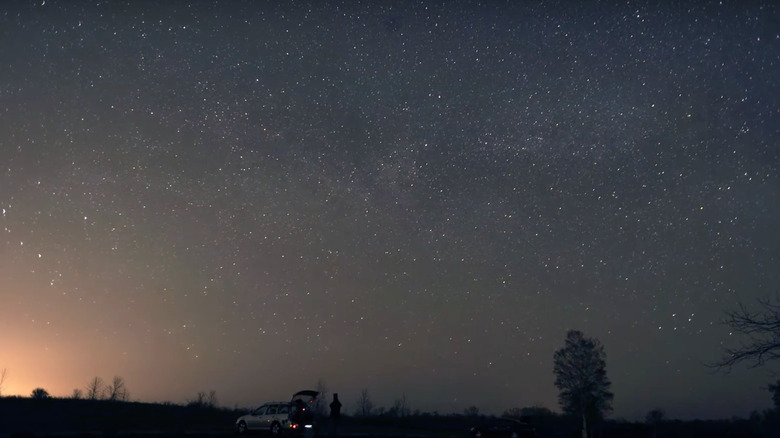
28, 418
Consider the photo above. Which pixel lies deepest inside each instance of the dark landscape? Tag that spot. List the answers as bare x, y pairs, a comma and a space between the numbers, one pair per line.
22, 417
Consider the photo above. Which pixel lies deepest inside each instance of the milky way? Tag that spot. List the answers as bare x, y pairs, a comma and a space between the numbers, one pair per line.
417, 199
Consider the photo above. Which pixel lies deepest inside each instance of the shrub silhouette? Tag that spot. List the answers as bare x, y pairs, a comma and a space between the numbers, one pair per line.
39, 394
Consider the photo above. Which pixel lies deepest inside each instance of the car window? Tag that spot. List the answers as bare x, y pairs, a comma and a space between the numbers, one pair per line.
260, 410
271, 410
284, 409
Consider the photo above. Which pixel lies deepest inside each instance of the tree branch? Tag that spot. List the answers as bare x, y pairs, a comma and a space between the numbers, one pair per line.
761, 329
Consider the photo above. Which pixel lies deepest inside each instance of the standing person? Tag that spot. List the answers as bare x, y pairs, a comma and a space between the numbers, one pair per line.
335, 415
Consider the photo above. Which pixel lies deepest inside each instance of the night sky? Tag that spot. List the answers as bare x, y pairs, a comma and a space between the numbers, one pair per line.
416, 198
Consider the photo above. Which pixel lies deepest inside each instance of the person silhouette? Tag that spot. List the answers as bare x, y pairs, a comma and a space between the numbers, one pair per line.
335, 415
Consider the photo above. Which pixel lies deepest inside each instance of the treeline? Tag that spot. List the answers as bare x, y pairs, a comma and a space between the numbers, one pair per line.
95, 389
549, 424
116, 390
402, 418
28, 415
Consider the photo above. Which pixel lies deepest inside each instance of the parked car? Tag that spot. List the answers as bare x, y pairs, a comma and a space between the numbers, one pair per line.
281, 417
502, 428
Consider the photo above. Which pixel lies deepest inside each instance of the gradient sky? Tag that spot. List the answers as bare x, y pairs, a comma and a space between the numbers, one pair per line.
415, 199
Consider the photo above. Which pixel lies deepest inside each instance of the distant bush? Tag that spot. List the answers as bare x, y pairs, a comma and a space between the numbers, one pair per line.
39, 394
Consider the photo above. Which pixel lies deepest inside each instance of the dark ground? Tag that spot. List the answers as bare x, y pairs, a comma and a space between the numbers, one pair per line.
50, 418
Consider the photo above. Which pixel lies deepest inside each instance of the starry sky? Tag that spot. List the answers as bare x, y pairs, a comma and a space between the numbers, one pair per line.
412, 197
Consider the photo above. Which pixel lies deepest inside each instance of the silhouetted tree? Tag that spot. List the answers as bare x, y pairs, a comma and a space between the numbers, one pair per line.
39, 394
320, 404
364, 404
654, 418
471, 411
212, 399
77, 394
538, 411
3, 374
117, 390
761, 334
204, 400
581, 378
401, 406
513, 413
533, 411
199, 401
775, 390
95, 389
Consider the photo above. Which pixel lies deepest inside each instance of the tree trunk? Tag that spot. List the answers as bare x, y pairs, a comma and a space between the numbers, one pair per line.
584, 426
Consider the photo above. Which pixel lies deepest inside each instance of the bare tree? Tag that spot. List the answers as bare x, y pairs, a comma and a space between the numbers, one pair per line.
654, 418
200, 400
761, 334
3, 374
95, 389
117, 390
581, 377
364, 404
775, 390
204, 400
406, 408
321, 403
77, 394
401, 406
212, 399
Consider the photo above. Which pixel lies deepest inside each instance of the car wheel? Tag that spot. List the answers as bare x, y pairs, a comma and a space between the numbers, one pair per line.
276, 429
241, 428
514, 435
